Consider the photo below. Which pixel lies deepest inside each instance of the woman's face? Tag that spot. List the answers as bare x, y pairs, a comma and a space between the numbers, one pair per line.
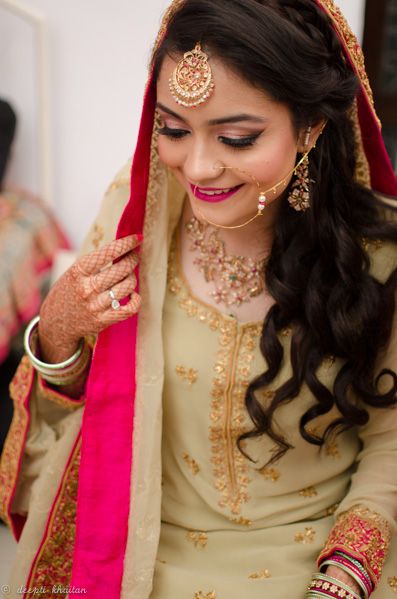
238, 126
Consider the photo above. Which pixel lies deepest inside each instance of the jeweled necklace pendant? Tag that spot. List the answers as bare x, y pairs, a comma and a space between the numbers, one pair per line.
192, 82
237, 279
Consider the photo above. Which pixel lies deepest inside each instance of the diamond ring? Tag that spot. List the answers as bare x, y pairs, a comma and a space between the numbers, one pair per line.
115, 302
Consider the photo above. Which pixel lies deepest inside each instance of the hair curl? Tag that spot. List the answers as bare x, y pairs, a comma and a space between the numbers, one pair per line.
319, 271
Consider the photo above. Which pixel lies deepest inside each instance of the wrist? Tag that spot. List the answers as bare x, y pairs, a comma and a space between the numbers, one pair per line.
339, 574
54, 348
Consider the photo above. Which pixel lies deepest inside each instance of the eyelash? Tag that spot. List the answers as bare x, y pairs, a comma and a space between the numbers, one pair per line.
239, 143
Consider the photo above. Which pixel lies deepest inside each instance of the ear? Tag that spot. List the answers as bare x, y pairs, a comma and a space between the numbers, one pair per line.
309, 135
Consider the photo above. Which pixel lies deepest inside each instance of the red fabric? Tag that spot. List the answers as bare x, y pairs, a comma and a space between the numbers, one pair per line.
107, 434
383, 179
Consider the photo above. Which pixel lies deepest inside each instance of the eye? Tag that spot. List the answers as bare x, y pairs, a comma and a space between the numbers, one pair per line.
173, 134
240, 142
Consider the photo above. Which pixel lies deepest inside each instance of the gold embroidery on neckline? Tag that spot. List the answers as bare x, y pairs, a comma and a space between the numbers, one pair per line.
189, 375
228, 414
305, 537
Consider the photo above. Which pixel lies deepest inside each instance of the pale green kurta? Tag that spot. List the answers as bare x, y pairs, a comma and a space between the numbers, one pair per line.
231, 528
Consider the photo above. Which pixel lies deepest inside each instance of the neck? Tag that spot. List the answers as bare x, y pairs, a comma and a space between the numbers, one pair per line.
253, 241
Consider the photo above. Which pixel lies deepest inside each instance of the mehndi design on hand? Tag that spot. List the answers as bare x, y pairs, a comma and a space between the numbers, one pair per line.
79, 304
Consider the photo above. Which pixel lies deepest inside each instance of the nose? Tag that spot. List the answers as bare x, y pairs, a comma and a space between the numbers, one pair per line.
200, 166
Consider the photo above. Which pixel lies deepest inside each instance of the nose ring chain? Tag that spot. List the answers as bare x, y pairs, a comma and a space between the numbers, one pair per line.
263, 195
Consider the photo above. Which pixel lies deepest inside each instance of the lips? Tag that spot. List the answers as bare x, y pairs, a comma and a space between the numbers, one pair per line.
213, 194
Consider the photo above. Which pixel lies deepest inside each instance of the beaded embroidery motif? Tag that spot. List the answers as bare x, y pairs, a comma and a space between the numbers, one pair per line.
228, 391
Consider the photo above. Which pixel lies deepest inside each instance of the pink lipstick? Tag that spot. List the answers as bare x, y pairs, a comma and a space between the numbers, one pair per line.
214, 194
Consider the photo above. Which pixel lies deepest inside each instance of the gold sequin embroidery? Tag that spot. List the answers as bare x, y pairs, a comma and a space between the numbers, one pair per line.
352, 47
201, 595
189, 375
308, 492
363, 534
286, 332
241, 521
371, 244
305, 537
330, 511
328, 362
191, 463
118, 184
261, 575
228, 414
199, 539
271, 474
55, 558
332, 449
97, 236
362, 172
392, 582
15, 441
58, 398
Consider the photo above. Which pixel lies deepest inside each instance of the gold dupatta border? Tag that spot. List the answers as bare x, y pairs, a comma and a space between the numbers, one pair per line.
352, 48
57, 398
362, 173
52, 566
11, 456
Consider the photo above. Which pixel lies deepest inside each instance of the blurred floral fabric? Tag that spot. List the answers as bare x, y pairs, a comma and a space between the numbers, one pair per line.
29, 240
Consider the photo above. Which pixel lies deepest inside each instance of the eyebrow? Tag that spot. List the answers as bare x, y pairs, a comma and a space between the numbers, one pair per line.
236, 118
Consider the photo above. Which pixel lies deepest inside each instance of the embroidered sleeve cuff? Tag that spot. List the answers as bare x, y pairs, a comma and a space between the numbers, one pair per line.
363, 534
51, 394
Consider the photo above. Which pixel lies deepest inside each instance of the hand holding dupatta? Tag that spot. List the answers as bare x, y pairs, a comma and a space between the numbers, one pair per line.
80, 303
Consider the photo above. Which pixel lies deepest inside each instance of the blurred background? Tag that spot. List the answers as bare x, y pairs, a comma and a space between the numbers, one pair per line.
72, 75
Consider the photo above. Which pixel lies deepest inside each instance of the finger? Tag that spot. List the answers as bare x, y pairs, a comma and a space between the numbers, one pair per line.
112, 316
103, 300
112, 275
93, 262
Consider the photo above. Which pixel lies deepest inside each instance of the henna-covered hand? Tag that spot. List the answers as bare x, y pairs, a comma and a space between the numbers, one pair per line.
79, 304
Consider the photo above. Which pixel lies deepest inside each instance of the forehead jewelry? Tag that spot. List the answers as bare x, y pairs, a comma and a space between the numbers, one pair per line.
192, 83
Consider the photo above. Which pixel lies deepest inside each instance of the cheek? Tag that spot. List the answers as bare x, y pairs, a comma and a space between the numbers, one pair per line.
272, 163
170, 152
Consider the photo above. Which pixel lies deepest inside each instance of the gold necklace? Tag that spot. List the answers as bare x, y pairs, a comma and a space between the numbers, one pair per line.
237, 279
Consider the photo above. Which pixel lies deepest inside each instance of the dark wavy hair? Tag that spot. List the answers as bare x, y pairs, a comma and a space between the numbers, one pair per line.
318, 271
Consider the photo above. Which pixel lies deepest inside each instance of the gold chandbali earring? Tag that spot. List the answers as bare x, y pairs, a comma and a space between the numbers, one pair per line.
192, 83
299, 196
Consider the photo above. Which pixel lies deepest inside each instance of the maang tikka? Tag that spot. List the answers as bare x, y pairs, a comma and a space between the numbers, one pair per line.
192, 82
299, 196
